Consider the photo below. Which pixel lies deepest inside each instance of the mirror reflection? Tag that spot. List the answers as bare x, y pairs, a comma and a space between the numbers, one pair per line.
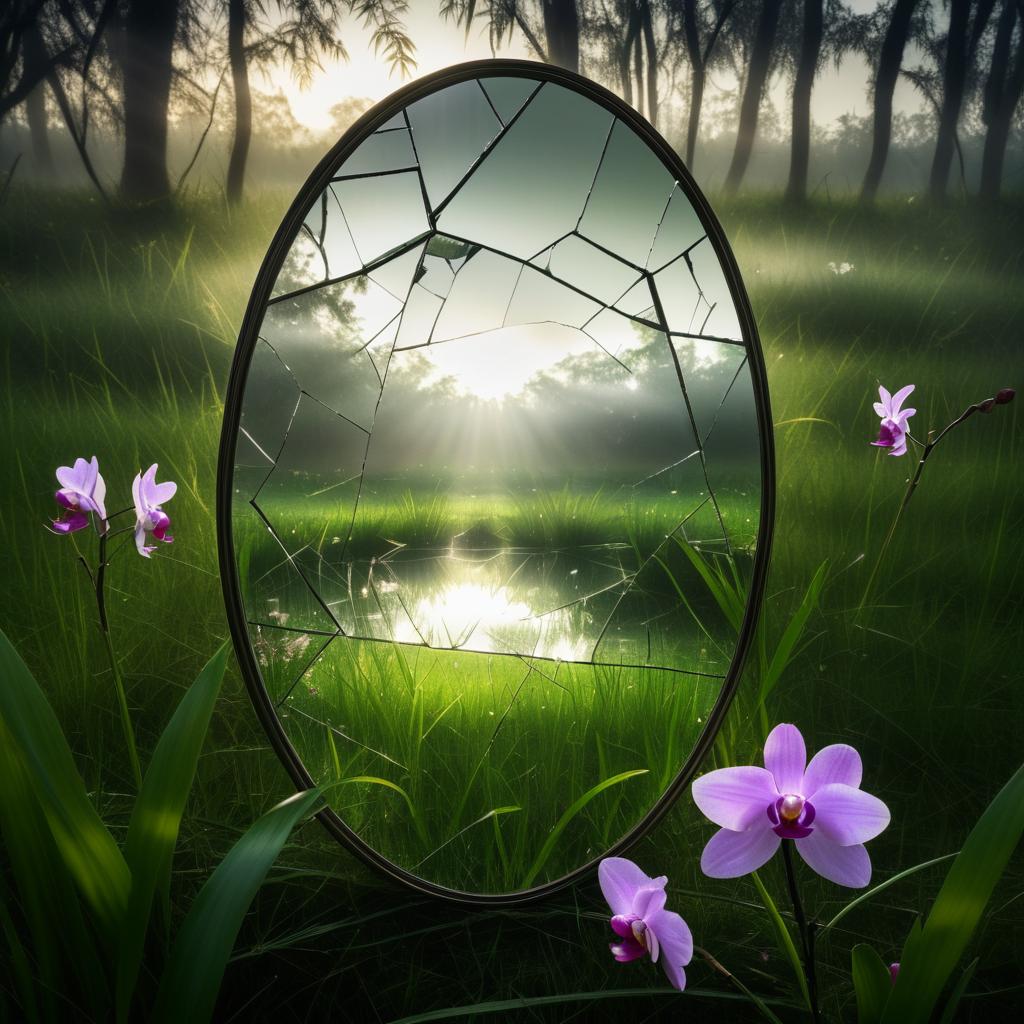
498, 449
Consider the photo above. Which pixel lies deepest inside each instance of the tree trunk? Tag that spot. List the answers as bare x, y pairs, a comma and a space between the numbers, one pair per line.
810, 50
1002, 94
889, 61
757, 76
652, 62
237, 17
954, 77
626, 56
562, 30
36, 63
638, 69
697, 75
149, 30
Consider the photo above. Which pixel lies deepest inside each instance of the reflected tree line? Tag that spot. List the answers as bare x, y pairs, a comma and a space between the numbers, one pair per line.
123, 64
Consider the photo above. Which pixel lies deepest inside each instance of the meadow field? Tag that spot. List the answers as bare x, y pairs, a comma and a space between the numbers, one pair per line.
118, 332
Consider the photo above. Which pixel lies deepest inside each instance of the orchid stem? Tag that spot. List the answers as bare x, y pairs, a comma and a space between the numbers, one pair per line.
929, 447
122, 699
805, 928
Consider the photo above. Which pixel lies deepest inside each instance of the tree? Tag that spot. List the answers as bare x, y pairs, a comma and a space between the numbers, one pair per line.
696, 21
308, 30
889, 60
148, 31
967, 21
807, 69
753, 91
555, 39
37, 62
1002, 93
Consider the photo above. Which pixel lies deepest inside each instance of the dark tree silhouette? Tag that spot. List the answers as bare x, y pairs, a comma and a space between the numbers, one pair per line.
562, 31
889, 60
807, 69
37, 64
1002, 93
753, 91
961, 44
146, 49
708, 21
238, 15
306, 31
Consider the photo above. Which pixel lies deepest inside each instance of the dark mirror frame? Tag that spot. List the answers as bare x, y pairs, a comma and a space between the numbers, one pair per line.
248, 337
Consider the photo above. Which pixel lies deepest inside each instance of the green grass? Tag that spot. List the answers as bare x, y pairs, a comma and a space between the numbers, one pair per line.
118, 334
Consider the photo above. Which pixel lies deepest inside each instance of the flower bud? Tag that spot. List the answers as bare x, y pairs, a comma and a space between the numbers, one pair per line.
987, 406
1004, 396
894, 971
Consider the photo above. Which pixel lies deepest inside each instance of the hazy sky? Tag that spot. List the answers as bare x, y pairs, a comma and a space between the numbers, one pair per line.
440, 43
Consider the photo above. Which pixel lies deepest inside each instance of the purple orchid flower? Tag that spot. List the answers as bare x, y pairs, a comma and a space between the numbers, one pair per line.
820, 805
82, 491
641, 920
149, 496
892, 432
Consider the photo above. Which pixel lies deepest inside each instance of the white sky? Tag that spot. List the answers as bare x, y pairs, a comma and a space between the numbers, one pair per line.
440, 43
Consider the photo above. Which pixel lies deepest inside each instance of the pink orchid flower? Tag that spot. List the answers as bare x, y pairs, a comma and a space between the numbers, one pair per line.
892, 432
641, 921
149, 496
82, 491
819, 805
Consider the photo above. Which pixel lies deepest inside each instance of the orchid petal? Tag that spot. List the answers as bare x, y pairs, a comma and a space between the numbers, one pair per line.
620, 879
676, 942
848, 816
885, 397
844, 865
837, 763
735, 797
622, 925
140, 541
163, 492
730, 854
653, 945
785, 756
648, 900
900, 397
880, 410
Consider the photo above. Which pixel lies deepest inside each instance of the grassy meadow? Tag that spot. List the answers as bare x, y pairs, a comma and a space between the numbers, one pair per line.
118, 331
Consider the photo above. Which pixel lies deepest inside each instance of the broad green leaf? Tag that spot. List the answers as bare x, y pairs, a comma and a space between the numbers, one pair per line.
933, 950
949, 1010
191, 980
156, 817
574, 808
85, 845
872, 983
63, 946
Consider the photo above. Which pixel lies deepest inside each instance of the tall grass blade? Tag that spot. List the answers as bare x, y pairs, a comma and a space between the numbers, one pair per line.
933, 950
574, 808
191, 980
156, 817
784, 937
85, 845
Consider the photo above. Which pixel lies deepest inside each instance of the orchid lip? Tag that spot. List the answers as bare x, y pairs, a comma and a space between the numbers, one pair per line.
797, 826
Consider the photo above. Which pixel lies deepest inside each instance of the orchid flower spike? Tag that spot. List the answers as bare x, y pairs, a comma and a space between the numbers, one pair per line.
819, 805
82, 490
892, 431
641, 921
150, 517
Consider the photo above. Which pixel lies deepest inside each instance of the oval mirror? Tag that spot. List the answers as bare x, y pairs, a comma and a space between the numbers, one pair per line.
496, 441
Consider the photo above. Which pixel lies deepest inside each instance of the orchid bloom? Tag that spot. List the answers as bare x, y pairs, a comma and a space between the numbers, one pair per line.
82, 491
819, 805
892, 432
641, 920
149, 496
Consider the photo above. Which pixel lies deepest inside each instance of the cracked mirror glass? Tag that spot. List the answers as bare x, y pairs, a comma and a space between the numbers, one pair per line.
497, 482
